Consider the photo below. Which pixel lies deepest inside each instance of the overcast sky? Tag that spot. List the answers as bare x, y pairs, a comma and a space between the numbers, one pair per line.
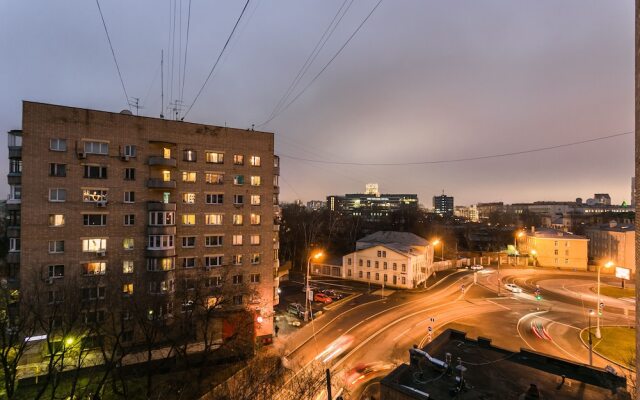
422, 80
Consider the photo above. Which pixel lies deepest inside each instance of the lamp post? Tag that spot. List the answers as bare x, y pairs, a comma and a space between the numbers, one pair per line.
439, 242
607, 265
307, 301
515, 243
590, 340
534, 255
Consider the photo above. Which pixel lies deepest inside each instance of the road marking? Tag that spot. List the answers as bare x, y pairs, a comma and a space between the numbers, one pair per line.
401, 333
499, 305
560, 323
520, 321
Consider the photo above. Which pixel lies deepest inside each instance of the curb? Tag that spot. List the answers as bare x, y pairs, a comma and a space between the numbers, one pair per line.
341, 301
598, 353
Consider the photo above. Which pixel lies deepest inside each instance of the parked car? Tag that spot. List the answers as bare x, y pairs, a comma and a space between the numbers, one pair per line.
296, 309
333, 294
513, 288
322, 298
476, 267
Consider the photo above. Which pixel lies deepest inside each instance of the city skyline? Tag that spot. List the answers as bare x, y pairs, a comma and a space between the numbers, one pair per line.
549, 74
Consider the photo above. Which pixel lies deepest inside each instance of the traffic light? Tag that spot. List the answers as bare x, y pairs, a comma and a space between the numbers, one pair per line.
600, 307
538, 295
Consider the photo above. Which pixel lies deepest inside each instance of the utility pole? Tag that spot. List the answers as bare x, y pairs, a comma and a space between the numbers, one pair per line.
329, 397
590, 340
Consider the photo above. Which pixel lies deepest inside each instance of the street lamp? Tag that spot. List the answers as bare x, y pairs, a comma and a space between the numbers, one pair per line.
534, 255
590, 340
307, 302
607, 265
515, 243
437, 242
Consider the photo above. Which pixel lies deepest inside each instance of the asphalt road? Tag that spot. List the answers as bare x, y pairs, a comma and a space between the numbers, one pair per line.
379, 331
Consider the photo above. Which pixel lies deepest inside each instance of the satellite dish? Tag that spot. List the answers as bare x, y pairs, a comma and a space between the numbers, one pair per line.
126, 112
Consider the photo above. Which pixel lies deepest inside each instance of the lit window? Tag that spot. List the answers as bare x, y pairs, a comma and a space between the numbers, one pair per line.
255, 181
238, 180
94, 245
96, 148
237, 240
236, 259
57, 195
255, 199
94, 195
189, 198
56, 219
127, 288
214, 157
214, 178
238, 159
188, 219
255, 258
190, 155
255, 219
255, 240
127, 267
237, 219
166, 152
166, 176
213, 219
127, 243
188, 176
254, 161
94, 268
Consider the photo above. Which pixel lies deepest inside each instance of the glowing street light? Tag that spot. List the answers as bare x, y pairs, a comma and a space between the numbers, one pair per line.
436, 242
607, 265
314, 256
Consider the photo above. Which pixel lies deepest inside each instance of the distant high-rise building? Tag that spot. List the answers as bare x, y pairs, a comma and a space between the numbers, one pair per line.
371, 206
443, 205
316, 204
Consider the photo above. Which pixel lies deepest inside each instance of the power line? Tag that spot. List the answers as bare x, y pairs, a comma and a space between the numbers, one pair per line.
455, 160
186, 48
312, 56
217, 60
113, 53
325, 66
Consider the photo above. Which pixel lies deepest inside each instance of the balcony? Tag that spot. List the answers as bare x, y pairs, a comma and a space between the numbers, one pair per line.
162, 162
14, 178
155, 183
159, 253
276, 190
160, 206
276, 228
161, 230
15, 151
13, 231
13, 257
13, 205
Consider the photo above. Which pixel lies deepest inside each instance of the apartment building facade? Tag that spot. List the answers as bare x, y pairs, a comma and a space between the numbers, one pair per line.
555, 248
118, 206
613, 242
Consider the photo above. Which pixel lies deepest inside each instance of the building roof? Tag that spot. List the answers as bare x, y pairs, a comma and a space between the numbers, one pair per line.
495, 373
548, 233
402, 242
613, 227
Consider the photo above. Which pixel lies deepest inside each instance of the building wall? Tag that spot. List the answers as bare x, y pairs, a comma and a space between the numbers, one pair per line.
611, 245
43, 122
408, 270
559, 252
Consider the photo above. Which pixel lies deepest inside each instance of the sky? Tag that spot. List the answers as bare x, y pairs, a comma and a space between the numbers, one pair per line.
422, 80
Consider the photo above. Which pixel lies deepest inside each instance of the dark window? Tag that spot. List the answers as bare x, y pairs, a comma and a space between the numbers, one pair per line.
237, 300
129, 219
214, 198
238, 199
188, 241
94, 219
95, 172
188, 262
129, 197
57, 169
129, 174
56, 271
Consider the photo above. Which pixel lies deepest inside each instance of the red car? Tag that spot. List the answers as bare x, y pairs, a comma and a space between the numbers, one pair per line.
322, 298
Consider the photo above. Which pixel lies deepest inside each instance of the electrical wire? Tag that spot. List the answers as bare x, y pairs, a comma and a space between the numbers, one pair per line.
312, 56
113, 53
217, 60
325, 66
455, 160
186, 48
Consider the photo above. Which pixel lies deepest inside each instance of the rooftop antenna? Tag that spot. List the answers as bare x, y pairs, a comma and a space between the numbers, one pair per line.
162, 82
175, 107
136, 104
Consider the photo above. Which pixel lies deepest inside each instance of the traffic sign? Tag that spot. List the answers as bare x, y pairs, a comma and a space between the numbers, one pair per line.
430, 330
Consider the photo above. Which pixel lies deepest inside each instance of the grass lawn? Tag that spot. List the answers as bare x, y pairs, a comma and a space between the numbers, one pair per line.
618, 343
613, 291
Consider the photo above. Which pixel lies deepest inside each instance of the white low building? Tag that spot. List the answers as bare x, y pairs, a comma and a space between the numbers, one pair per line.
398, 259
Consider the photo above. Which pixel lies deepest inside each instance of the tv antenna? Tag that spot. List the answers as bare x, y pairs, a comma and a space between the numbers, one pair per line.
136, 104
175, 107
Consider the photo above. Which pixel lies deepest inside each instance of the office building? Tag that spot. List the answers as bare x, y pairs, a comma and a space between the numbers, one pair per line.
469, 213
371, 205
613, 242
443, 205
132, 210
316, 205
555, 248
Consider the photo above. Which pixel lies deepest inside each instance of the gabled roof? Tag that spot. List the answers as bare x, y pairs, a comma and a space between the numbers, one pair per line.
398, 241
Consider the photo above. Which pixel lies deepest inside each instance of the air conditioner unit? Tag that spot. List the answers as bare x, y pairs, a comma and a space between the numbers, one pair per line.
102, 203
125, 157
82, 155
101, 253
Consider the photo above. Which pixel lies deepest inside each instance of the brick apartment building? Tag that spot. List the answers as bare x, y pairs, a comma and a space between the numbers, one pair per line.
122, 206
